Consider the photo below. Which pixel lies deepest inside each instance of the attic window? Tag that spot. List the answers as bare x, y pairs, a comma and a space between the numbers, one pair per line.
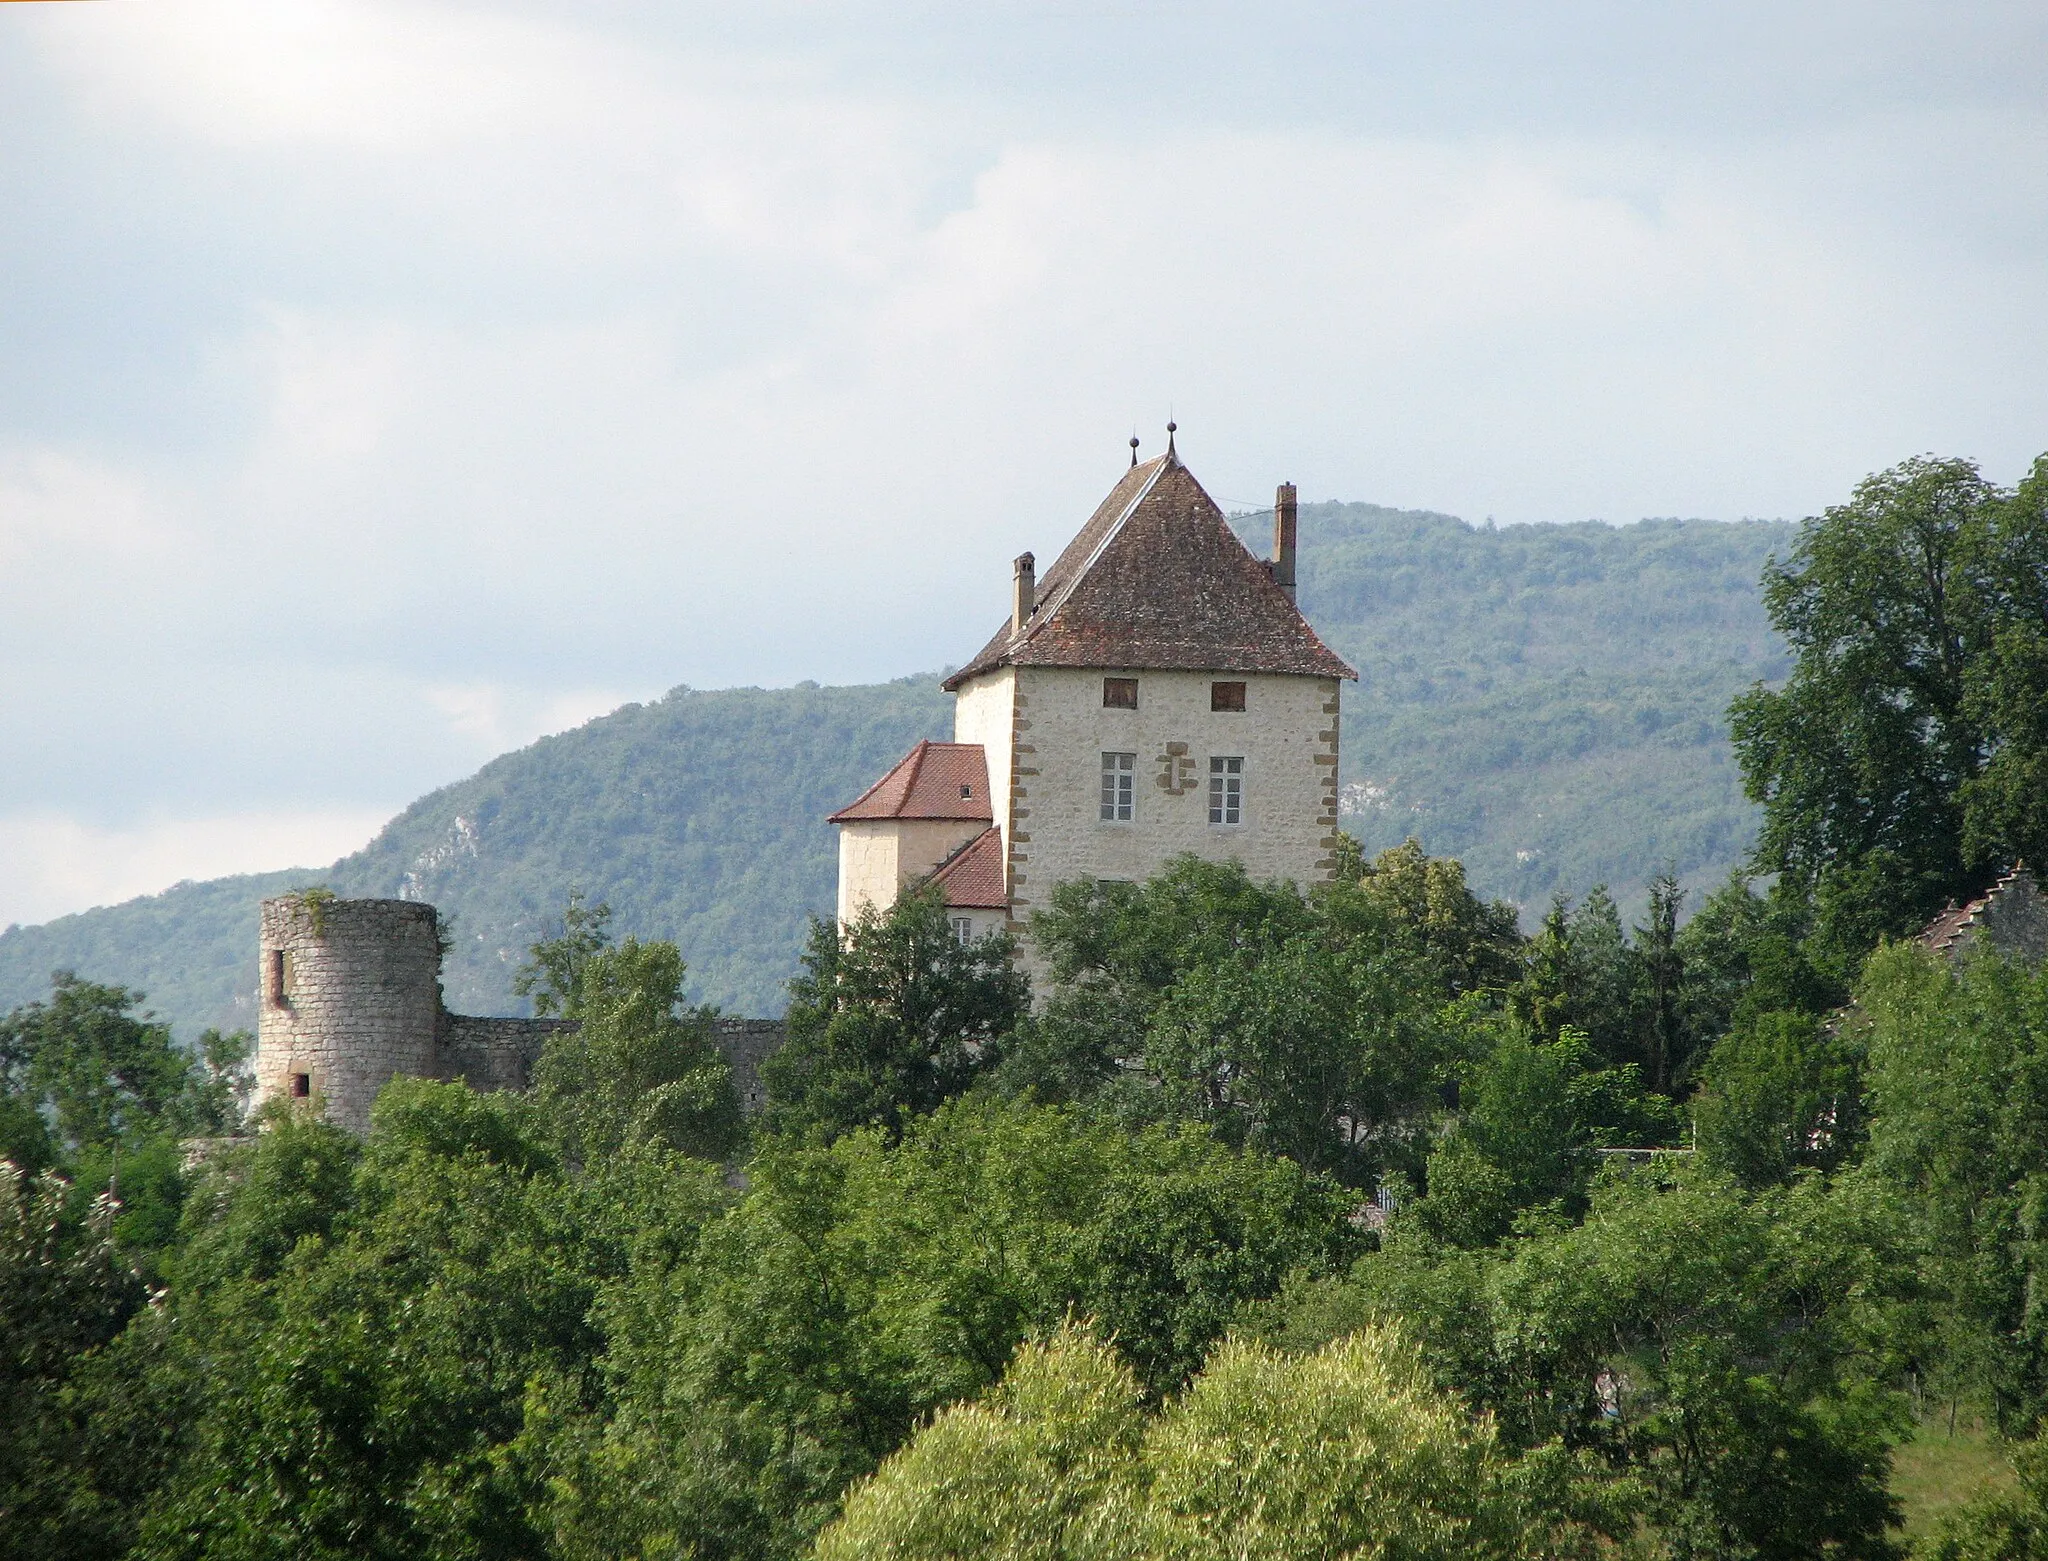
966, 791
1119, 693
1226, 696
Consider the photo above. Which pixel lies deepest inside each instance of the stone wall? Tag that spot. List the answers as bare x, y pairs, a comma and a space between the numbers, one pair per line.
746, 1044
493, 1053
352, 999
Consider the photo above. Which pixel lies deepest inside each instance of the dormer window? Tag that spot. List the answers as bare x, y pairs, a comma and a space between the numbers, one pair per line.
1119, 693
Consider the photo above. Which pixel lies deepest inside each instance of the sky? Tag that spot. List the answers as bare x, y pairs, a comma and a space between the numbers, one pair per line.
383, 386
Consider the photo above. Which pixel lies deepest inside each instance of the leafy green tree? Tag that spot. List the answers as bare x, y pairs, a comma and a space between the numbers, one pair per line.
103, 1071
1781, 1092
1311, 1050
859, 1288
1466, 943
63, 1295
1864, 760
639, 1069
892, 1015
1957, 1086
1348, 1452
1530, 1109
1036, 1471
385, 1391
1723, 1358
553, 973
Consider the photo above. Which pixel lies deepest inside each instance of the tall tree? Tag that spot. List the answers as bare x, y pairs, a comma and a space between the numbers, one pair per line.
892, 1015
1861, 759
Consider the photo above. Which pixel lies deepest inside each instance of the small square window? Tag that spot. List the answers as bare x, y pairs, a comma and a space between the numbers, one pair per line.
1226, 696
1119, 787
1226, 791
302, 1085
966, 791
1119, 693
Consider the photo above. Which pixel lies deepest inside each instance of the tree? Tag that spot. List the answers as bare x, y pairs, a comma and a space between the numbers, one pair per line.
1312, 1050
1025, 1474
63, 1295
104, 1072
1468, 944
1347, 1452
553, 973
1661, 985
640, 1069
892, 1015
1781, 1092
1957, 1086
1862, 761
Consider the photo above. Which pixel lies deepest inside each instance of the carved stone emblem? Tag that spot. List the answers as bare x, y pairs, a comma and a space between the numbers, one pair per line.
1176, 770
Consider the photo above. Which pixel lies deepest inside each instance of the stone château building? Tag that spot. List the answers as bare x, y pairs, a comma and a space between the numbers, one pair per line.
1156, 692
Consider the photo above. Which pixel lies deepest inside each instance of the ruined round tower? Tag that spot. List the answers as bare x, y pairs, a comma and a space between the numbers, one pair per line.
351, 997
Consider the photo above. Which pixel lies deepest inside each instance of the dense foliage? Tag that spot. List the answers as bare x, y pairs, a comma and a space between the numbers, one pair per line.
1544, 702
1342, 1223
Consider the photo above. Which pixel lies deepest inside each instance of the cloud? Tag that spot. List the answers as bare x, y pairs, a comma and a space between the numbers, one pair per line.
401, 381
51, 865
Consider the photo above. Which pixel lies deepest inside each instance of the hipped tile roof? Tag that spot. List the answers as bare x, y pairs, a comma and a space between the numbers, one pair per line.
1157, 580
972, 877
933, 780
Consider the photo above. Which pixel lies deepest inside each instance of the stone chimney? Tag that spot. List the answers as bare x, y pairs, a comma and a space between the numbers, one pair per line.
1283, 539
1026, 592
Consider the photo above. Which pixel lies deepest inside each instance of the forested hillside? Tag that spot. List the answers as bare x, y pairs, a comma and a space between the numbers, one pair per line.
1544, 701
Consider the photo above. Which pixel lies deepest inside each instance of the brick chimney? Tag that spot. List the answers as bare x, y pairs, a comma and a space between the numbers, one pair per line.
1283, 539
1026, 592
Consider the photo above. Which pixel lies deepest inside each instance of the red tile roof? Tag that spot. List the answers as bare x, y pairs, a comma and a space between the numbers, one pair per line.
2016, 894
933, 780
1157, 580
972, 876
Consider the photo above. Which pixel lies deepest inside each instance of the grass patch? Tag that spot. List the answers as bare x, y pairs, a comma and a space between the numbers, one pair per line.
1933, 1472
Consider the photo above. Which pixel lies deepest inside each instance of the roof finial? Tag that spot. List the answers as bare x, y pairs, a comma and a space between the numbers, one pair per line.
1134, 449
1171, 425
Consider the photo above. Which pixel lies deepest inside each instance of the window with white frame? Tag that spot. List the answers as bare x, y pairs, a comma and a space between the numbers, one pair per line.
1226, 791
1119, 787
963, 928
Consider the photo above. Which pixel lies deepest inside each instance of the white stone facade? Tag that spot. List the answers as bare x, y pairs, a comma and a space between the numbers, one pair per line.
1046, 731
878, 857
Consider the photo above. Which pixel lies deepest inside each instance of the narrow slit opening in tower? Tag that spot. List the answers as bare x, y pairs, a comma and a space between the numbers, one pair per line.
280, 978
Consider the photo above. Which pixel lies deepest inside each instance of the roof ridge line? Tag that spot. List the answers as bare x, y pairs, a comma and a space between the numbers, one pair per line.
1052, 603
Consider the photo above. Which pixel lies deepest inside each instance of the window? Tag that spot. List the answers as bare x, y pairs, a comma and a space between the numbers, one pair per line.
1119, 787
1226, 791
1226, 696
966, 790
963, 928
280, 978
302, 1085
1119, 693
